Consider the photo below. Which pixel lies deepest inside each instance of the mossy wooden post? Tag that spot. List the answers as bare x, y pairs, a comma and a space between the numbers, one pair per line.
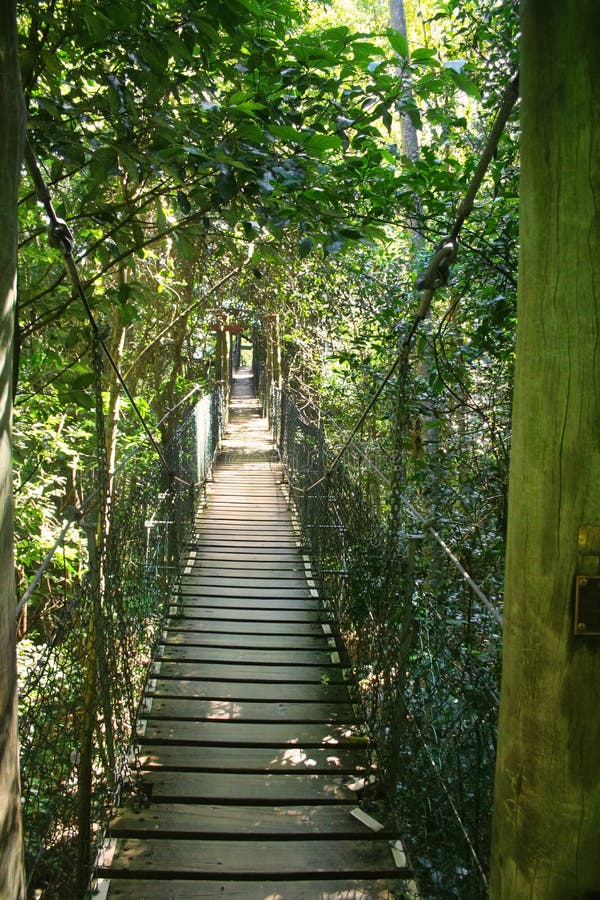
273, 360
546, 840
12, 130
223, 340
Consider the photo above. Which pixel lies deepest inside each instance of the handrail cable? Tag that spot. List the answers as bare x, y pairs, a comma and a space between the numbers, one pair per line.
436, 273
76, 513
428, 525
61, 237
424, 521
450, 800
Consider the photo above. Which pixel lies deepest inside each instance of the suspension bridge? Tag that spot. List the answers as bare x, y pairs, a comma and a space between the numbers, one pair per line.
250, 752
221, 706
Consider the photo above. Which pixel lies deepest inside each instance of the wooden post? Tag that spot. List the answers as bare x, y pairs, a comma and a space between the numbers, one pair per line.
222, 361
273, 361
547, 804
12, 134
271, 321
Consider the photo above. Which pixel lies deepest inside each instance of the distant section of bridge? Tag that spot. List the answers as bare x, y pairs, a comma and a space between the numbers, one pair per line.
250, 753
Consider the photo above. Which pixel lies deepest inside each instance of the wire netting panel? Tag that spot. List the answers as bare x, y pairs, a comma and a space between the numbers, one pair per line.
80, 692
424, 649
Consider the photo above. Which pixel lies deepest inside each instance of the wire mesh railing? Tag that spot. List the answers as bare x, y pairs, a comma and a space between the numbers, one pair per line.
423, 644
80, 691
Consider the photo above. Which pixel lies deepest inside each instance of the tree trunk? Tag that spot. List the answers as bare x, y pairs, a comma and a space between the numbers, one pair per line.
12, 129
547, 810
114, 401
410, 138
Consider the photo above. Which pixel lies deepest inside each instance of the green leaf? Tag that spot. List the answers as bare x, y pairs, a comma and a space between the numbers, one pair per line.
334, 38
306, 245
51, 62
424, 56
285, 133
161, 219
123, 292
398, 42
465, 84
86, 379
249, 230
319, 143
226, 185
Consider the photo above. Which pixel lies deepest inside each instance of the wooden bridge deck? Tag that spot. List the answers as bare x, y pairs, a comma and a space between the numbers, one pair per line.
250, 747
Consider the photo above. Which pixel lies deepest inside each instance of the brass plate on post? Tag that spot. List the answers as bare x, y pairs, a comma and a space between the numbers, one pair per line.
587, 605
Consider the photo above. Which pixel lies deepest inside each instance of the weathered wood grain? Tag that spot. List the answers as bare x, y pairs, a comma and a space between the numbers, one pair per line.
209, 858
186, 758
349, 889
249, 690
249, 734
266, 790
250, 710
257, 673
211, 819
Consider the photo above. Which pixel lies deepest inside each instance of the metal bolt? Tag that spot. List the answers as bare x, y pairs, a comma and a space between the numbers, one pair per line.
581, 626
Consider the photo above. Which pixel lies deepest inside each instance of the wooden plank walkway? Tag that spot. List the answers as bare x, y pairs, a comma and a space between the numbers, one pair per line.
250, 749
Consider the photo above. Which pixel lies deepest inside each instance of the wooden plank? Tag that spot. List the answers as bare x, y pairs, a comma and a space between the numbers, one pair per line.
248, 734
228, 488
246, 501
282, 629
350, 889
268, 537
246, 641
266, 492
273, 513
208, 587
252, 509
243, 500
242, 580
221, 555
250, 710
214, 550
263, 790
232, 655
267, 529
278, 603
209, 858
284, 569
251, 672
270, 545
269, 523
252, 570
346, 760
210, 819
238, 474
242, 691
268, 526
209, 612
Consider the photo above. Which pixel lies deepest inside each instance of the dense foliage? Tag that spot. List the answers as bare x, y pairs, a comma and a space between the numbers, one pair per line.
245, 158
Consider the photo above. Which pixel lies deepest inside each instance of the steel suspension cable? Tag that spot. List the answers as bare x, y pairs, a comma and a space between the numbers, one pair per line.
75, 514
436, 273
62, 238
423, 520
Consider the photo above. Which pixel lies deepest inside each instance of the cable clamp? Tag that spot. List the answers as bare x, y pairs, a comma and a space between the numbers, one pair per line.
61, 236
438, 270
